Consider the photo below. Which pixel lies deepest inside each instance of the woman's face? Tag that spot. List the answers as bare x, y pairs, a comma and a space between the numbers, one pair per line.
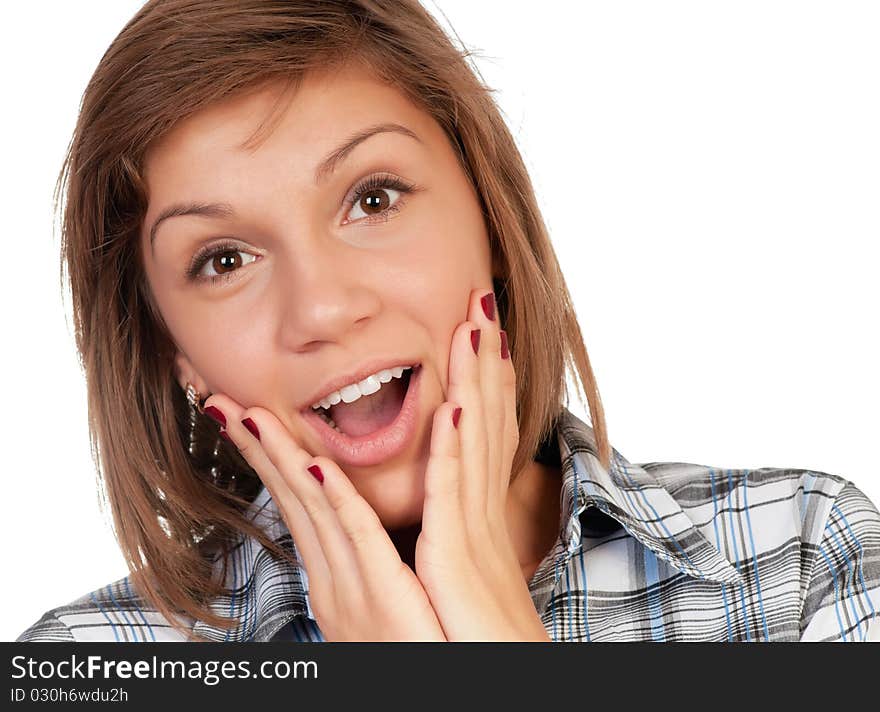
313, 281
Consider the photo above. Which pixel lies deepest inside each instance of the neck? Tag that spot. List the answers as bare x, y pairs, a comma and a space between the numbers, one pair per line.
404, 541
533, 511
532, 518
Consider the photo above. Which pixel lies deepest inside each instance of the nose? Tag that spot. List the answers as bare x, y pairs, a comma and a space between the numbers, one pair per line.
325, 295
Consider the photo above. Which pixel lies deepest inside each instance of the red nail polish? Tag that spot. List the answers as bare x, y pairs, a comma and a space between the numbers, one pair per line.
252, 426
225, 435
488, 303
216, 414
475, 340
316, 471
456, 414
504, 352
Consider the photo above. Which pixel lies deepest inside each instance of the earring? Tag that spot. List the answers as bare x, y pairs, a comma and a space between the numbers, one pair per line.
195, 404
194, 398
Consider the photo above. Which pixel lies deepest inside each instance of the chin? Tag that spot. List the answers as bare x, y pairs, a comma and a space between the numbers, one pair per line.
397, 499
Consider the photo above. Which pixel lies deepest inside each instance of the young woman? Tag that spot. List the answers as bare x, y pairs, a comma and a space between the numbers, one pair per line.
326, 336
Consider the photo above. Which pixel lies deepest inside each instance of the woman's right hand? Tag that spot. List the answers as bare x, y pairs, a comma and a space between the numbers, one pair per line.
360, 589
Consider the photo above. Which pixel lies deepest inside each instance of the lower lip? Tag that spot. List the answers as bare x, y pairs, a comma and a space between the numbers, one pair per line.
379, 446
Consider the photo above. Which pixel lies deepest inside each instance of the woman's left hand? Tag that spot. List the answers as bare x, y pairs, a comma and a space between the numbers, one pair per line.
464, 556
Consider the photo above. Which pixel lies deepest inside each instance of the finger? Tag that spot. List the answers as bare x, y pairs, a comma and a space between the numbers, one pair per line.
292, 462
484, 312
464, 389
442, 515
376, 555
298, 522
511, 423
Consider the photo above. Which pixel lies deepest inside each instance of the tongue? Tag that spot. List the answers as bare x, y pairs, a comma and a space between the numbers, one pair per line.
370, 413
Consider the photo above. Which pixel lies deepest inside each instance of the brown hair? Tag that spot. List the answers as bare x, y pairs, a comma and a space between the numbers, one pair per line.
174, 515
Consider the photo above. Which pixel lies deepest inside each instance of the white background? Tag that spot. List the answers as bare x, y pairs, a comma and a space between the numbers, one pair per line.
709, 173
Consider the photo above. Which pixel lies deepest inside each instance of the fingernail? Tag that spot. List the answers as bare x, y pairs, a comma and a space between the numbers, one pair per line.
456, 414
225, 435
504, 352
216, 414
252, 426
488, 303
316, 471
475, 340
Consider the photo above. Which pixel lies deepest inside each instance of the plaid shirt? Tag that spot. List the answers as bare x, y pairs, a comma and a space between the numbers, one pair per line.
652, 552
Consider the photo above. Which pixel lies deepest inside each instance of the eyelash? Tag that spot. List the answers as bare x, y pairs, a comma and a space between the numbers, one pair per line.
374, 182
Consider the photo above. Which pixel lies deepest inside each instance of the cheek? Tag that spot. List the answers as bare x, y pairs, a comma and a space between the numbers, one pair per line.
239, 363
226, 347
444, 262
437, 274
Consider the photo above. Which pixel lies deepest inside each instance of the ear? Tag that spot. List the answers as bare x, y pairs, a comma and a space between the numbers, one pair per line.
185, 373
499, 271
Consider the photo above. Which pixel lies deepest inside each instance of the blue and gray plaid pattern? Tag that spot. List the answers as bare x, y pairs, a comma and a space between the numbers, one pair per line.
652, 552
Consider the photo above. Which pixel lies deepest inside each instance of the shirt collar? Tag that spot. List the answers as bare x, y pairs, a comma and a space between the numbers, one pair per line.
634, 498
267, 593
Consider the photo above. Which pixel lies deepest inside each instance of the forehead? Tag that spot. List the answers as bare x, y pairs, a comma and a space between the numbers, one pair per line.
321, 111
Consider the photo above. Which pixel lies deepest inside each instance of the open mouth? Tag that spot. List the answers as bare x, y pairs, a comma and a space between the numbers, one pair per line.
370, 413
373, 428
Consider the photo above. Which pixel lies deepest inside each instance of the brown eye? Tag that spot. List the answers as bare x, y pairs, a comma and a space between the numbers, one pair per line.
228, 261
218, 262
375, 201
378, 197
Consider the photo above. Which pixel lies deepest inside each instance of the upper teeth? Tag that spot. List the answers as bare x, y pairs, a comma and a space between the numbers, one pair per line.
371, 384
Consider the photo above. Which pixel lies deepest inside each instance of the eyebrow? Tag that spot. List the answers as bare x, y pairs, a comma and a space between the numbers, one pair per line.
326, 167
